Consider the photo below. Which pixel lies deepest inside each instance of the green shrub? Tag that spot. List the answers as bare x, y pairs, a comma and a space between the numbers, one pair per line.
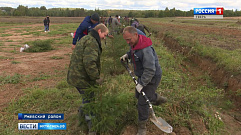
40, 46
112, 111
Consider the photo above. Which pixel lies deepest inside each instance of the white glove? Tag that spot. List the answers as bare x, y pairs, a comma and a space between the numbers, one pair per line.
124, 57
139, 87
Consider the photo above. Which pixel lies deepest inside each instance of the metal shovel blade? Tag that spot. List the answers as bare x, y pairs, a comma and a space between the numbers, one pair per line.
162, 124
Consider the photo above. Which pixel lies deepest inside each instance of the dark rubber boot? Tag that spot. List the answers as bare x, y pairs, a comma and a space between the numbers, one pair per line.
91, 132
81, 112
142, 127
89, 123
160, 100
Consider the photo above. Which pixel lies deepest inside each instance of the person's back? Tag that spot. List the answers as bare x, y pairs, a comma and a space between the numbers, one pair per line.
88, 23
141, 28
135, 24
115, 24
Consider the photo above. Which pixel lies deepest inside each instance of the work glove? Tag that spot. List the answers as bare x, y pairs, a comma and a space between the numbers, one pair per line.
124, 57
139, 87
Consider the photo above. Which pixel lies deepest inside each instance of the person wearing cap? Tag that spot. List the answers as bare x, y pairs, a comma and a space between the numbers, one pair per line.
88, 23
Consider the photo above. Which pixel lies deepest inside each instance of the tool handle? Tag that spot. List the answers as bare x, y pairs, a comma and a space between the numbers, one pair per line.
135, 81
129, 71
147, 100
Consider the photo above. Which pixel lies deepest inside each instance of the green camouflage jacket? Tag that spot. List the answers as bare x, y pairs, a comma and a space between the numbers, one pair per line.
84, 66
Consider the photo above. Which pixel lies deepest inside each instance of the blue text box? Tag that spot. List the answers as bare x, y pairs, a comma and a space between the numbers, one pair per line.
25, 116
205, 11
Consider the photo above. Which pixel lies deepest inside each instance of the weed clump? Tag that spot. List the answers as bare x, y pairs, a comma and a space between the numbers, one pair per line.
16, 78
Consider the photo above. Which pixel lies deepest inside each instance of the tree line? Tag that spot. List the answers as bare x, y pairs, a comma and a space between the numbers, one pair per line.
81, 12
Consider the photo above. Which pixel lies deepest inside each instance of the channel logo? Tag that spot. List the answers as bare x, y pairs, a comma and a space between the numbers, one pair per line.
42, 126
27, 126
208, 13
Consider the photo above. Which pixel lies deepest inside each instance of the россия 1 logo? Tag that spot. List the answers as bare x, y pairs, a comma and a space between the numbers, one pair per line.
208, 13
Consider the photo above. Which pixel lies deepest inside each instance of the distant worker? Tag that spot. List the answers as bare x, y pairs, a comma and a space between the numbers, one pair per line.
110, 21
142, 27
132, 20
45, 24
135, 23
88, 23
48, 22
115, 24
102, 19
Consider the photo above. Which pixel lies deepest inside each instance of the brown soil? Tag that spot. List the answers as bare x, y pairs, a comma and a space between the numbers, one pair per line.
32, 64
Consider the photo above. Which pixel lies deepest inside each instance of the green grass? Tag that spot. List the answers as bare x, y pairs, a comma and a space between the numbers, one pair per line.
228, 59
5, 35
41, 77
9, 41
15, 62
56, 57
6, 58
223, 50
14, 79
43, 101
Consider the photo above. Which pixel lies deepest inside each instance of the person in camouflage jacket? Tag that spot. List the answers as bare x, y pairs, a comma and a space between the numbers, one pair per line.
84, 67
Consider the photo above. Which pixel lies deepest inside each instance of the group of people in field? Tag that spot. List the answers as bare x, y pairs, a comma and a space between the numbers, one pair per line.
84, 68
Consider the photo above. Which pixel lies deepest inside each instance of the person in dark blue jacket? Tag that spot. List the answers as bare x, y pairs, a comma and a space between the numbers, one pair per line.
88, 23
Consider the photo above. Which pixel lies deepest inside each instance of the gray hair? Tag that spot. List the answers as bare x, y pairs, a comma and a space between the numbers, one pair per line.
130, 29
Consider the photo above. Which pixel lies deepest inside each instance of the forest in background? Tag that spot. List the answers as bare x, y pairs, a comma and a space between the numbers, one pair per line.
81, 12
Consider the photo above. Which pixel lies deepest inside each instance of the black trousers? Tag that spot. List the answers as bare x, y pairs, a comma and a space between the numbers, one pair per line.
150, 91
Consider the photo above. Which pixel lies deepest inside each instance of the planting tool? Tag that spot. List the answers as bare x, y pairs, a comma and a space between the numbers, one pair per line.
159, 122
149, 35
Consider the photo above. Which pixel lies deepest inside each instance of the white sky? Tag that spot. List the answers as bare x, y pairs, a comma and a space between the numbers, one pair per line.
184, 5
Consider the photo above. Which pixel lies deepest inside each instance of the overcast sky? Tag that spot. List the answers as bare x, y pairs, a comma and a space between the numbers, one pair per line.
184, 5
